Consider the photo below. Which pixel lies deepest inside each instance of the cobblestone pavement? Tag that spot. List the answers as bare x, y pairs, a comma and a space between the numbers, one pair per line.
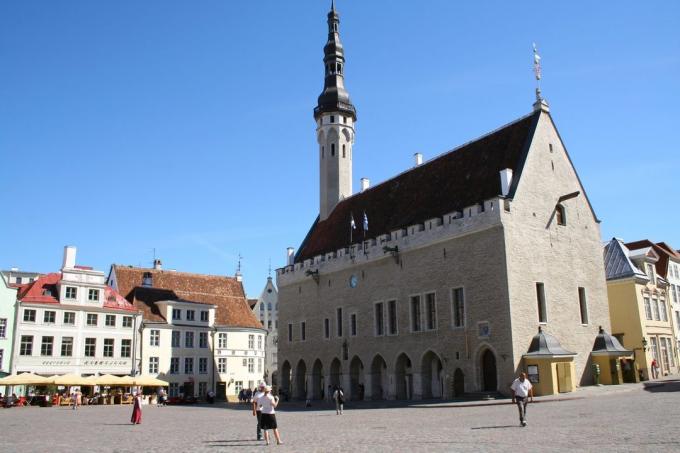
632, 418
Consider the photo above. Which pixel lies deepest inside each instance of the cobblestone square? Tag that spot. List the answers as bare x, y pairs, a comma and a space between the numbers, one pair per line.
627, 418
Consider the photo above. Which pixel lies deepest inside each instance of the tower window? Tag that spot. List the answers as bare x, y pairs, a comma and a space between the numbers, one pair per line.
339, 68
333, 149
322, 151
343, 151
344, 119
332, 119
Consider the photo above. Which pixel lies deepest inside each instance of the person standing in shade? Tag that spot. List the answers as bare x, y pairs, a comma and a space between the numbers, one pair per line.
137, 410
655, 369
522, 393
339, 398
268, 404
257, 409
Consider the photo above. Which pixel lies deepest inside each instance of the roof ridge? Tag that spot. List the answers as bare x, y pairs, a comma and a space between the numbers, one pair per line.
443, 154
173, 272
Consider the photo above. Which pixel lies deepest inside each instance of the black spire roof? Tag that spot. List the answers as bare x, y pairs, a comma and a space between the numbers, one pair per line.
334, 97
606, 344
543, 345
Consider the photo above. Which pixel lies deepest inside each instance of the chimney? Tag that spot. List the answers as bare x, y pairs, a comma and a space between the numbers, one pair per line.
157, 265
365, 184
69, 257
418, 158
506, 181
239, 277
290, 256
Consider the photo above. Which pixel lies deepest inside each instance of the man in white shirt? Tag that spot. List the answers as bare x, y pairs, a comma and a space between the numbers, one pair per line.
522, 390
257, 408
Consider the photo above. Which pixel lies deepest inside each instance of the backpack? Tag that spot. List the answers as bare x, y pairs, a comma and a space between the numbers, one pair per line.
341, 397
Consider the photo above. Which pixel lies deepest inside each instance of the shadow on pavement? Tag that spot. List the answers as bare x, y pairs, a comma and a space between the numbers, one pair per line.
665, 386
496, 427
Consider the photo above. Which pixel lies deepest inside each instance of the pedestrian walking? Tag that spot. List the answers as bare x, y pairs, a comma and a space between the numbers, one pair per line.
522, 393
137, 410
339, 398
268, 404
257, 409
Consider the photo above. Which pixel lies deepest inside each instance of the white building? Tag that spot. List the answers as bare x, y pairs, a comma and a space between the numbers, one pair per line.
266, 308
198, 332
72, 322
8, 297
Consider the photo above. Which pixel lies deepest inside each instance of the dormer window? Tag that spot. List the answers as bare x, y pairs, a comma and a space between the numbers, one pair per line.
560, 215
650, 273
147, 279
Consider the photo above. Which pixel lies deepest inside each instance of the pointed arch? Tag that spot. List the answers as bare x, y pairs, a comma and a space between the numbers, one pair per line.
431, 375
317, 380
403, 375
356, 374
379, 378
301, 380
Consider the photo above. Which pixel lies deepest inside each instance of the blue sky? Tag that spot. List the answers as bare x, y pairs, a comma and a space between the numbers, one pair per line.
187, 126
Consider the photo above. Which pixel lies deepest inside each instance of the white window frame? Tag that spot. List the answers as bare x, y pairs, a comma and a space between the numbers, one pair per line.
71, 289
154, 365
154, 337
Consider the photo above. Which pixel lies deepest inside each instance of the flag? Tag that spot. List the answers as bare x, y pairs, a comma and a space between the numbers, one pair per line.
351, 222
365, 222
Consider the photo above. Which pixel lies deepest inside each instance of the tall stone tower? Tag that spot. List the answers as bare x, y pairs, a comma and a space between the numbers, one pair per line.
335, 117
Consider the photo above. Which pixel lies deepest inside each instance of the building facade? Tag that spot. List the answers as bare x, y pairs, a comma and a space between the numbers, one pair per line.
640, 308
435, 282
8, 298
266, 308
198, 332
72, 322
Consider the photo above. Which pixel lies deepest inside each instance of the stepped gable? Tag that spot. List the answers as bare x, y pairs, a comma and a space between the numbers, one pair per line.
451, 182
226, 293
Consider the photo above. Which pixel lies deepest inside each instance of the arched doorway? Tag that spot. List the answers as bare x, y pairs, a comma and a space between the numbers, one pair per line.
489, 376
275, 378
336, 373
356, 379
458, 382
317, 380
378, 378
301, 380
432, 376
403, 374
286, 379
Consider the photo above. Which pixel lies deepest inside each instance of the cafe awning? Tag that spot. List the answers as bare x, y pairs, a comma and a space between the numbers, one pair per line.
25, 379
150, 381
70, 379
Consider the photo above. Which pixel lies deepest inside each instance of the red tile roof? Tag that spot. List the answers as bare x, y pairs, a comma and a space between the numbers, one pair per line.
451, 182
44, 290
226, 293
664, 251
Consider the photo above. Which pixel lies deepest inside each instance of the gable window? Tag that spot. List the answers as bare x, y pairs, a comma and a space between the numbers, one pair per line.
110, 321
338, 313
540, 301
190, 315
26, 347
353, 324
46, 346
560, 215
127, 321
91, 319
49, 317
125, 348
415, 314
69, 317
176, 314
175, 338
90, 347
108, 347
29, 315
154, 337
93, 295
392, 317
66, 346
204, 316
458, 297
203, 339
583, 305
431, 311
71, 292
379, 319
326, 328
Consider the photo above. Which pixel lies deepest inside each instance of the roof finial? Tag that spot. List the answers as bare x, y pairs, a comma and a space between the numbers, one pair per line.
270, 267
238, 268
333, 5
540, 103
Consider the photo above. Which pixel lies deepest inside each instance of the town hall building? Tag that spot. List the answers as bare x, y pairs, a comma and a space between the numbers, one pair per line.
478, 264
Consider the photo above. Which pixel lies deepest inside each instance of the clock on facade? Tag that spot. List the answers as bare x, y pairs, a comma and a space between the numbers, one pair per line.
353, 281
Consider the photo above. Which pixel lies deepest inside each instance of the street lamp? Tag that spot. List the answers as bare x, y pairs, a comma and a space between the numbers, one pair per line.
644, 343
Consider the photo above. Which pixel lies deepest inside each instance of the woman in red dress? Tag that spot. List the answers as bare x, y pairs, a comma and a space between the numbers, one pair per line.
137, 410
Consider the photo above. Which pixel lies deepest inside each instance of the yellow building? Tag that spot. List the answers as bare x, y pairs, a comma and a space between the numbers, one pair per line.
639, 309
